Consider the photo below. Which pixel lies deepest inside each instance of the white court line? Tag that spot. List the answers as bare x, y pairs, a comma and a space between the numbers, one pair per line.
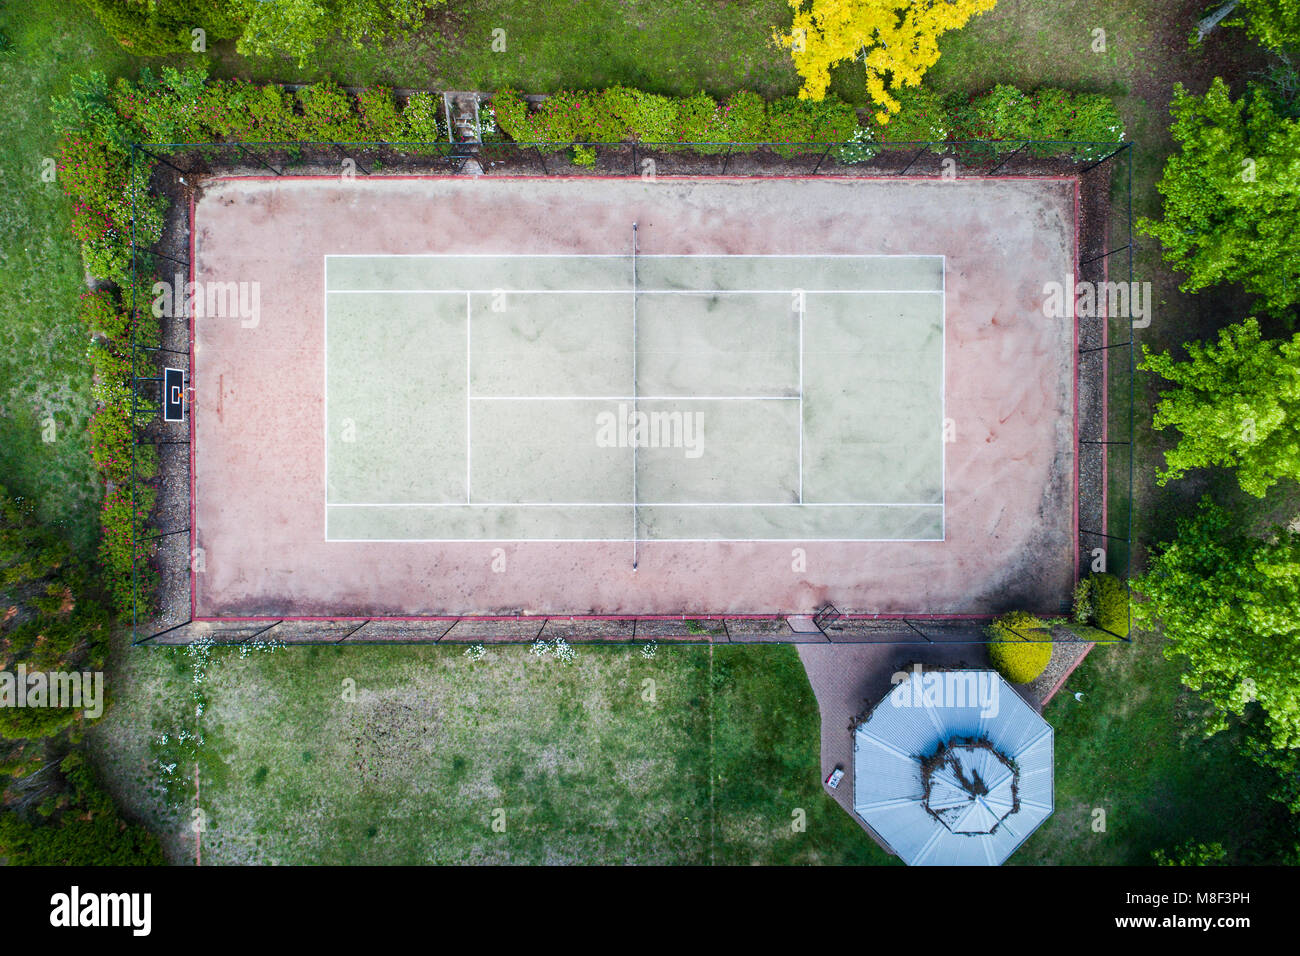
628, 540
622, 504
637, 398
469, 364
714, 292
325, 396
619, 255
801, 311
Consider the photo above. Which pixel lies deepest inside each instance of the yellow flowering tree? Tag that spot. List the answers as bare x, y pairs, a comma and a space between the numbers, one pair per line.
896, 40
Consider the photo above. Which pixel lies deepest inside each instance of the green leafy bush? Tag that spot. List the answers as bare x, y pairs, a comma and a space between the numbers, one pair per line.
697, 116
645, 117
860, 147
1004, 112
921, 118
795, 120
1016, 657
742, 119
378, 116
1102, 601
328, 114
152, 28
422, 118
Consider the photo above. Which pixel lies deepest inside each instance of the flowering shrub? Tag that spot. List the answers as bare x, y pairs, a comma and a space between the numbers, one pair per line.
422, 120
921, 117
794, 120
860, 147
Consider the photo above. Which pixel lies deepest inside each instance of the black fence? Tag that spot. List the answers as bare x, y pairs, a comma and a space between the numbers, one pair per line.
163, 539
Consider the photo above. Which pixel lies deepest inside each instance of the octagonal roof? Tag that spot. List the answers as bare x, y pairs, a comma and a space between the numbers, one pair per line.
953, 768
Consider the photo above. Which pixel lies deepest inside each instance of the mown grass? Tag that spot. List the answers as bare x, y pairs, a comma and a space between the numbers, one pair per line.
694, 757
665, 46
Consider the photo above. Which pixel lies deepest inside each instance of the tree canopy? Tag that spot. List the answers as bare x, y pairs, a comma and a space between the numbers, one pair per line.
1232, 195
1237, 404
896, 41
1229, 606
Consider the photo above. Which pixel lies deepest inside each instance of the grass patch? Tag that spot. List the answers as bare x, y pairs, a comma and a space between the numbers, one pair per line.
1133, 749
584, 763
663, 46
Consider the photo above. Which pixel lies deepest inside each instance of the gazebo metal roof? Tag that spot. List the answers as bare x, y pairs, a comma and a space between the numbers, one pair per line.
953, 768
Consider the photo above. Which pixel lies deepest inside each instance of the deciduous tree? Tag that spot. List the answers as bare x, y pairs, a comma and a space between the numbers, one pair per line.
896, 41
1237, 404
1232, 195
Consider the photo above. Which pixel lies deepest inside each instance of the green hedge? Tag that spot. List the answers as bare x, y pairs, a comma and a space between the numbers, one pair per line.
1015, 657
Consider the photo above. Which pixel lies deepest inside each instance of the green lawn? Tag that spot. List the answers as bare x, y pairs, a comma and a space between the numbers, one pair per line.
694, 757
666, 46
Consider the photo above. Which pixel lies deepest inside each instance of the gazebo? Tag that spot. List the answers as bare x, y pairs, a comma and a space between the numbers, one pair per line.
953, 768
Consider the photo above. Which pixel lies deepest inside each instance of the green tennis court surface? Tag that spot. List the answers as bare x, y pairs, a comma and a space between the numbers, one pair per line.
607, 398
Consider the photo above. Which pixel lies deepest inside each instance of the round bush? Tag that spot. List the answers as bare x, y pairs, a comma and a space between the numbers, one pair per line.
1017, 659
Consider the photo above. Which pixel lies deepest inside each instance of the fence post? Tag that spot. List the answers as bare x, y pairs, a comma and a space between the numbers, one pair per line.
822, 159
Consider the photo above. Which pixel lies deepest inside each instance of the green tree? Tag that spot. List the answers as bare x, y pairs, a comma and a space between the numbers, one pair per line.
153, 27
74, 823
50, 618
1232, 195
297, 28
1237, 403
1275, 23
1229, 606
1192, 853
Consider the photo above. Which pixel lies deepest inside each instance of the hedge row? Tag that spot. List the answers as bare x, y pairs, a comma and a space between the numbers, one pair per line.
112, 436
1003, 114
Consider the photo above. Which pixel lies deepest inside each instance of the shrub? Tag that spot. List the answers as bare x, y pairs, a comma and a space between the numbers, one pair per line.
584, 155
794, 120
921, 117
742, 119
512, 114
328, 115
1004, 112
697, 116
422, 118
1014, 655
378, 116
1102, 600
860, 147
645, 117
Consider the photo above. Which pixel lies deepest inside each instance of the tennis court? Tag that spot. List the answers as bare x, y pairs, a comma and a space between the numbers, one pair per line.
472, 397
633, 397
